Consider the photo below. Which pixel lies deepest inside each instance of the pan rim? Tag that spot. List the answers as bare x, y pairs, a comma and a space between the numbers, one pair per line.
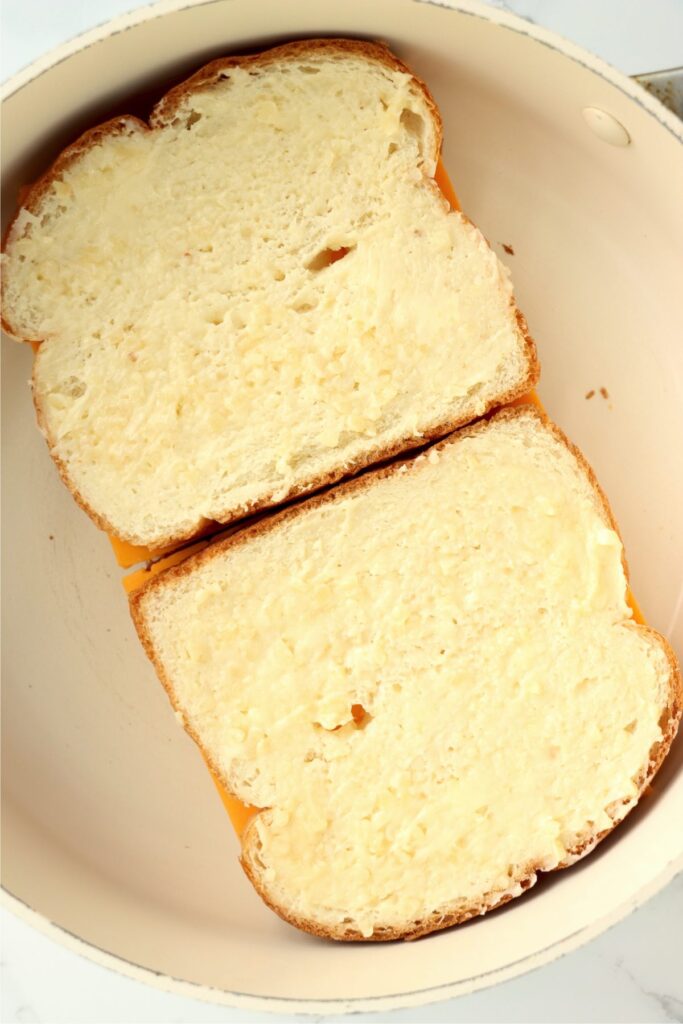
244, 1000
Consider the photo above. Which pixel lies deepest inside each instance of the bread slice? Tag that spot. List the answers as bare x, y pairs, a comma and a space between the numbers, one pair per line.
259, 293
428, 679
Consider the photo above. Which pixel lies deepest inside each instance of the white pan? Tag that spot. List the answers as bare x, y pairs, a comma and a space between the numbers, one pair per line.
114, 841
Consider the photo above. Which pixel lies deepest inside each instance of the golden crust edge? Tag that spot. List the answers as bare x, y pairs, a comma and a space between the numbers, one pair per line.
585, 844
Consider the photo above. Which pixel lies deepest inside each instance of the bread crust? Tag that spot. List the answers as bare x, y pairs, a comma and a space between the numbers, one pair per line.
528, 874
165, 110
162, 115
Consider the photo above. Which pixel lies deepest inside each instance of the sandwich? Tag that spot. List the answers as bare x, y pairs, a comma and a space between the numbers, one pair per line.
423, 687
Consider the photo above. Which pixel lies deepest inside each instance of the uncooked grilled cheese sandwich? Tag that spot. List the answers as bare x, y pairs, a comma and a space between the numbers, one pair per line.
370, 673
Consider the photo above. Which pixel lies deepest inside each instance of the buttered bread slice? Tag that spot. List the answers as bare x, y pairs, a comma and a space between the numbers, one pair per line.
258, 293
428, 679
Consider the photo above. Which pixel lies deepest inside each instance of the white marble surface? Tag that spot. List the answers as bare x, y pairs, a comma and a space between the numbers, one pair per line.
634, 972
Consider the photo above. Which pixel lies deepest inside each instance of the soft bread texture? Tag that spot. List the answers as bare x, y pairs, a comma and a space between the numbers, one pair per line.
428, 679
262, 292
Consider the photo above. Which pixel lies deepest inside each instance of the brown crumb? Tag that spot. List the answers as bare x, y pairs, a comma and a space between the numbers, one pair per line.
508, 249
589, 394
357, 712
604, 392
51, 536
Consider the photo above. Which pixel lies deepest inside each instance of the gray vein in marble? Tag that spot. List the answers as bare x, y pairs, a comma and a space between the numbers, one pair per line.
670, 1005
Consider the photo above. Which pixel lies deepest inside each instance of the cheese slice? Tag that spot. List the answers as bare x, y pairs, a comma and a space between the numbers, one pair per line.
129, 555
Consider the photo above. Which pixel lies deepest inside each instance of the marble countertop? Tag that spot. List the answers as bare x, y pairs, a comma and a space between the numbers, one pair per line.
632, 972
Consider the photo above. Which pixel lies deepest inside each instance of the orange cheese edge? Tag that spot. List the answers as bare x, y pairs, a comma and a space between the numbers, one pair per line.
128, 555
135, 580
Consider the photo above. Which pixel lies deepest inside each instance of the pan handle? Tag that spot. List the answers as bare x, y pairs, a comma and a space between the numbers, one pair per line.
666, 86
